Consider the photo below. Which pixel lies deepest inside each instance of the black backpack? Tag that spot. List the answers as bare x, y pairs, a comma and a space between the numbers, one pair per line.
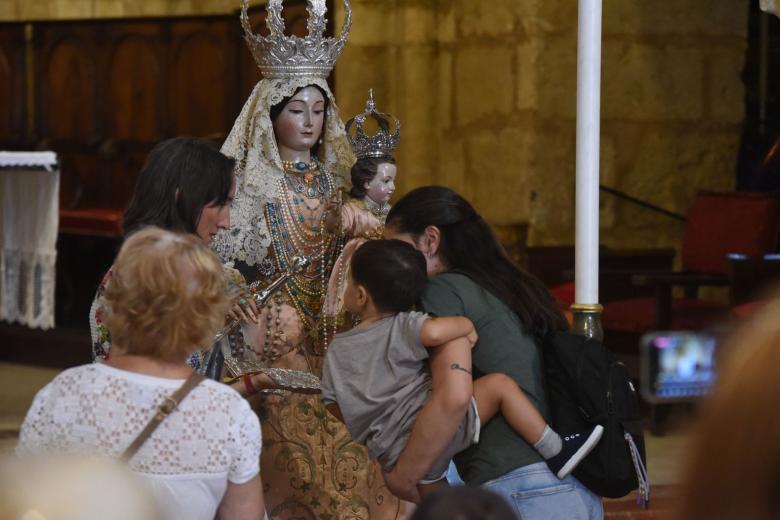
586, 385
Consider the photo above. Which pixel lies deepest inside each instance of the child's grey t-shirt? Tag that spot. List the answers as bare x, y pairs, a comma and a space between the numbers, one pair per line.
379, 377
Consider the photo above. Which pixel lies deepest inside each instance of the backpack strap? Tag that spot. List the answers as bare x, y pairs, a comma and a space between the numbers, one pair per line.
643, 493
164, 410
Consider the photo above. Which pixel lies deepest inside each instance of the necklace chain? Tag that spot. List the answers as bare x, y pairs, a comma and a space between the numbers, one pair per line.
299, 166
290, 236
311, 183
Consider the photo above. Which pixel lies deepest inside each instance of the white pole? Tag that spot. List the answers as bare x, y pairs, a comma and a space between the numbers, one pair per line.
586, 264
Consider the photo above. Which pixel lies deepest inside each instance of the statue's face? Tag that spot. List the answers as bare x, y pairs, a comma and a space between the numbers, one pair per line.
299, 125
382, 186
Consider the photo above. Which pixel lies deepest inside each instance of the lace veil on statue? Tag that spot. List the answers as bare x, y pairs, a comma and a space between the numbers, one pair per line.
287, 64
259, 167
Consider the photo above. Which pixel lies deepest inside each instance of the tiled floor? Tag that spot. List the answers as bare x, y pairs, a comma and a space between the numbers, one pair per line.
18, 386
19, 383
661, 504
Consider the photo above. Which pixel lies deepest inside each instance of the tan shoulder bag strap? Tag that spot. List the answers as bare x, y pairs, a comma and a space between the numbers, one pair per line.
164, 410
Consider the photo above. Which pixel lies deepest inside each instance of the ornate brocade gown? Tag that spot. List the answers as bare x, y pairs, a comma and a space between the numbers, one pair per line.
310, 466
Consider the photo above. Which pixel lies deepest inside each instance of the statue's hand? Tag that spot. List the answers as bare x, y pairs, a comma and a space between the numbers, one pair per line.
244, 308
332, 215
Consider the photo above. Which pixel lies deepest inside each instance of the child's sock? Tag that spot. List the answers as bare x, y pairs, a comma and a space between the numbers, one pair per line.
549, 443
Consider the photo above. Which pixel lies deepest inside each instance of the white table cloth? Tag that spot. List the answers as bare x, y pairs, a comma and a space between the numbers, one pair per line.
29, 218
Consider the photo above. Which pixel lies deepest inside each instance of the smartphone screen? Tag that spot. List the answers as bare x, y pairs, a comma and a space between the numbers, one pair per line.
677, 365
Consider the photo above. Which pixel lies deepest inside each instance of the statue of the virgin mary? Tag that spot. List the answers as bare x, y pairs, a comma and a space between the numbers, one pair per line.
292, 158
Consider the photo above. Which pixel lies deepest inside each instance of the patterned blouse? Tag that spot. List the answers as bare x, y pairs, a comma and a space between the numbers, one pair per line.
101, 337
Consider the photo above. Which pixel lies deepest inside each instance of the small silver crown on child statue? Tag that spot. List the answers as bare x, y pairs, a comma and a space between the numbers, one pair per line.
280, 56
383, 142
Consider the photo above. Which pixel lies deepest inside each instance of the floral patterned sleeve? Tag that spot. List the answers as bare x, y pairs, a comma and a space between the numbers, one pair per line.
101, 338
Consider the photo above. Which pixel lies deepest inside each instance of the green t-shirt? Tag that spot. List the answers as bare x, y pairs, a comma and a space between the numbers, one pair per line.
502, 347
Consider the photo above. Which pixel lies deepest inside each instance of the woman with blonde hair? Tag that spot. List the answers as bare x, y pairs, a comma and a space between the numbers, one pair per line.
734, 467
166, 298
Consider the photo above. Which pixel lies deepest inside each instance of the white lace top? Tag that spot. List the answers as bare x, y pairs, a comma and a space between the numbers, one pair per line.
212, 437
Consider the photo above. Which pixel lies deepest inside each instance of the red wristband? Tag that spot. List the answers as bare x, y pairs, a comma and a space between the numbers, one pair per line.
250, 388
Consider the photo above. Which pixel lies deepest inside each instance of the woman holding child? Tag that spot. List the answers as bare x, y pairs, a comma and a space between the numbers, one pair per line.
471, 276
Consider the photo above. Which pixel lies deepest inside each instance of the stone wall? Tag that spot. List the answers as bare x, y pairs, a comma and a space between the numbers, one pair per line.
672, 108
486, 94
26, 10
451, 72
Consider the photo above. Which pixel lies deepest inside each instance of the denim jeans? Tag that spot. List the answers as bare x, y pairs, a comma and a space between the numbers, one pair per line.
536, 494
453, 477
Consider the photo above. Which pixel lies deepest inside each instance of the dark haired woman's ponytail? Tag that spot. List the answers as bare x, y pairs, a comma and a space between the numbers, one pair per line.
469, 246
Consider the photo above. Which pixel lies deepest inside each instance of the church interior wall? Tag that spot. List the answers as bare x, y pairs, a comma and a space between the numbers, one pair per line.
486, 95
24, 10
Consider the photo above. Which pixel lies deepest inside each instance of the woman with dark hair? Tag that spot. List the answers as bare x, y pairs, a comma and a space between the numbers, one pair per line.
471, 275
185, 185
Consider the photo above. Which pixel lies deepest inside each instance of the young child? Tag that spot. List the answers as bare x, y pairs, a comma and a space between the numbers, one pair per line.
376, 378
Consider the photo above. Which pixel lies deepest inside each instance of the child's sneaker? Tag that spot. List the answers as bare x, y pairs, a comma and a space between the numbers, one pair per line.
574, 448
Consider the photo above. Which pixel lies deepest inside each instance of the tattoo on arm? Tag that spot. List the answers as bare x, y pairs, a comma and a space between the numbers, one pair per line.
456, 366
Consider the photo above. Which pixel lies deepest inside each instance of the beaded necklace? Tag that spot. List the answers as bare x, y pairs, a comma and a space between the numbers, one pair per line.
299, 201
309, 183
290, 236
299, 166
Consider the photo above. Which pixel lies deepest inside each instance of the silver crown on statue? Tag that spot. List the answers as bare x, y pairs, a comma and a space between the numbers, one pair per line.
383, 142
280, 56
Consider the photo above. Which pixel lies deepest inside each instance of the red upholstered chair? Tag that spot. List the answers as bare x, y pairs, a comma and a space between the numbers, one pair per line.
719, 224
754, 281
97, 222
